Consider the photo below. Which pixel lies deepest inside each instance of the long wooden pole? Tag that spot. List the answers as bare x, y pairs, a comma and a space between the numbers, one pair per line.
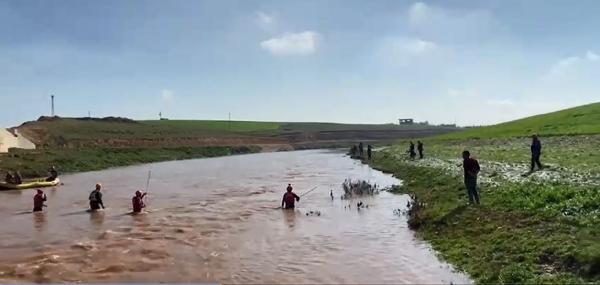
148, 184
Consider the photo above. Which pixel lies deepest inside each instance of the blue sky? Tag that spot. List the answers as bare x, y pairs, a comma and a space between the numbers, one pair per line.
469, 62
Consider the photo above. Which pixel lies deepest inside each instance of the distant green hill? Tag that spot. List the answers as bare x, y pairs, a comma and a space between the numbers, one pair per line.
114, 131
574, 121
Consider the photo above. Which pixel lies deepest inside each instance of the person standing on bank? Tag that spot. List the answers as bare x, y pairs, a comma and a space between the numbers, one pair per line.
471, 168
369, 151
360, 149
536, 152
420, 149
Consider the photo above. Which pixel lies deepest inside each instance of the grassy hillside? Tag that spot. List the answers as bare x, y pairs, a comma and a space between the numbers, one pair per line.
86, 129
53, 132
531, 227
574, 121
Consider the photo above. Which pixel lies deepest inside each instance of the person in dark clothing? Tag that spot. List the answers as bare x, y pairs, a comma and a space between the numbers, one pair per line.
361, 149
96, 198
369, 151
18, 178
289, 198
38, 201
420, 149
353, 150
9, 178
411, 150
536, 152
138, 202
53, 174
471, 168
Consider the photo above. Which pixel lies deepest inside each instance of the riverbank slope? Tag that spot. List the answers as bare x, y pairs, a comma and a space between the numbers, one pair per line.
83, 144
530, 228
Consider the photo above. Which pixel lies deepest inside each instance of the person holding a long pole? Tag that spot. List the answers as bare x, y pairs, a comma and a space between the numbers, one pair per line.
289, 198
138, 200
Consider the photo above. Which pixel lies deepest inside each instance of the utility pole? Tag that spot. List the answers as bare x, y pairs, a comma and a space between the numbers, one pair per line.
89, 114
52, 104
160, 115
229, 121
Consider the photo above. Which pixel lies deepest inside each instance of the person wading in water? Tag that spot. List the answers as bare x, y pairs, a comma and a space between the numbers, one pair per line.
420, 149
138, 201
96, 198
38, 201
289, 198
471, 168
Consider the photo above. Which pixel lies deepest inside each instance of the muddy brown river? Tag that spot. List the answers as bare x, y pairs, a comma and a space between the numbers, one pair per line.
214, 220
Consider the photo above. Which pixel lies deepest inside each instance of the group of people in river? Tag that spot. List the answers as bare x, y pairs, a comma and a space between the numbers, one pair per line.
95, 199
359, 151
137, 202
471, 168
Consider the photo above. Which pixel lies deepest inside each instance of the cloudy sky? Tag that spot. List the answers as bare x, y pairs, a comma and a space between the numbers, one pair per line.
469, 62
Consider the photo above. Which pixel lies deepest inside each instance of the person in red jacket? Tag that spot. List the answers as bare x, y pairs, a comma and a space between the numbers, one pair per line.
138, 201
289, 198
38, 201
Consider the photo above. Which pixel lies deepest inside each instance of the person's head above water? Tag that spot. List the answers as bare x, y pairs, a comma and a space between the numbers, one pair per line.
39, 191
466, 154
534, 136
98, 186
138, 193
289, 188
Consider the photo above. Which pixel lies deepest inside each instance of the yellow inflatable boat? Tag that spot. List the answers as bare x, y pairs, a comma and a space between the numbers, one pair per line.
39, 183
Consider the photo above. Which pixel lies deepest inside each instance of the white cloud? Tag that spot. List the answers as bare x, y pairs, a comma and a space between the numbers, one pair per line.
166, 96
401, 50
564, 64
266, 21
415, 46
592, 56
453, 25
304, 43
265, 18
567, 64
418, 13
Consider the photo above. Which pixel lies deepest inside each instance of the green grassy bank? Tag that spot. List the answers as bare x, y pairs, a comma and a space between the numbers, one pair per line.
541, 228
529, 232
35, 163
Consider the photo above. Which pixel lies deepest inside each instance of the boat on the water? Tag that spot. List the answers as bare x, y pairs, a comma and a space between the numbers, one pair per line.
38, 183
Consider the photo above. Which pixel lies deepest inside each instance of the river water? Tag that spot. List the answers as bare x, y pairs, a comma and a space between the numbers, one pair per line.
214, 220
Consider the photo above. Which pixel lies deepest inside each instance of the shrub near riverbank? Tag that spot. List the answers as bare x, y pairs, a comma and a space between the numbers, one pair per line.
35, 163
535, 232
